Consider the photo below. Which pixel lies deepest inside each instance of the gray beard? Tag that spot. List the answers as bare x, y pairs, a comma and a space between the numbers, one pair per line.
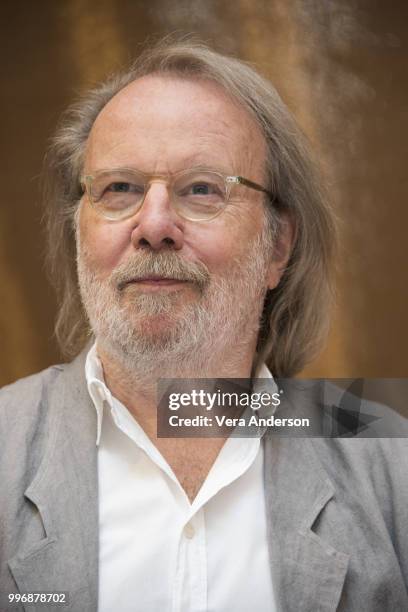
156, 335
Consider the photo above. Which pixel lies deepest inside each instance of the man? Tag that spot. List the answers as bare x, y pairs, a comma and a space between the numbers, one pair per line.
184, 194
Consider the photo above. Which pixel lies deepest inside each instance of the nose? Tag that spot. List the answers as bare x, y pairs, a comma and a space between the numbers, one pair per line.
157, 225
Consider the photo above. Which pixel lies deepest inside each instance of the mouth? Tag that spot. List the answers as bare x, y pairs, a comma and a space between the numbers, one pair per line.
155, 283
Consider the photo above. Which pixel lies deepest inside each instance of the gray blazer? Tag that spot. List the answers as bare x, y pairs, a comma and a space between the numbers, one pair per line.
337, 509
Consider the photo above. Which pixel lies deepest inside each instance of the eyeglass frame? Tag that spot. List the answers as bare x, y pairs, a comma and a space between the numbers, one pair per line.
229, 180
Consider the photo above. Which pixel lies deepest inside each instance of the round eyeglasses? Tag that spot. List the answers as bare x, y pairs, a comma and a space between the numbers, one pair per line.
195, 194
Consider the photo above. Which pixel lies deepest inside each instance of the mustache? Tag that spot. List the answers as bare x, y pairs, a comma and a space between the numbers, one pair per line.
167, 264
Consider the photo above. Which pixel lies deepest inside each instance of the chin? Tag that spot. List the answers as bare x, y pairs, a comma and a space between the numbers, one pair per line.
156, 326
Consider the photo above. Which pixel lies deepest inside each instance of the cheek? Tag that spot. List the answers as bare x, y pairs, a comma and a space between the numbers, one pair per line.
218, 245
103, 242
213, 252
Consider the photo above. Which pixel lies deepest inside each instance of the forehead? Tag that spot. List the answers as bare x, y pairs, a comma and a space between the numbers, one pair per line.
167, 123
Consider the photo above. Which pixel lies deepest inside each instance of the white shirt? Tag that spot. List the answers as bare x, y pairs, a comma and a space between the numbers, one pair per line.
158, 551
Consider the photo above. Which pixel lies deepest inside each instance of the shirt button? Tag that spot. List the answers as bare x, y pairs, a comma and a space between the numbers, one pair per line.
189, 531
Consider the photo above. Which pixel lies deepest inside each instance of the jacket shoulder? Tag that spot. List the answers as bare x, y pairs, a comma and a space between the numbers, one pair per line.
25, 417
22, 397
369, 459
29, 382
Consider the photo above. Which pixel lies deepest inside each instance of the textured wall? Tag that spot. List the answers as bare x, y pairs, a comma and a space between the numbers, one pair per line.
340, 65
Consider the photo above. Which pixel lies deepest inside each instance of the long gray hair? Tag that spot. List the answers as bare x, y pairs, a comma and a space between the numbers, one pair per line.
295, 315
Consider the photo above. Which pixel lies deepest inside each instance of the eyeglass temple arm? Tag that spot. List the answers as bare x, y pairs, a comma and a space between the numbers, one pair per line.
252, 185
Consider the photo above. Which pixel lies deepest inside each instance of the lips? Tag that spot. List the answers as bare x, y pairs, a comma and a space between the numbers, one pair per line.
149, 271
158, 280
154, 280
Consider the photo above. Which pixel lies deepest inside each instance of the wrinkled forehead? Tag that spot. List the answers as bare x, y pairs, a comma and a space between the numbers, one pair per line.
163, 123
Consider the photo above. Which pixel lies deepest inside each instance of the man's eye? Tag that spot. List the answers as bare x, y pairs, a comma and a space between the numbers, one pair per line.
123, 187
202, 189
119, 187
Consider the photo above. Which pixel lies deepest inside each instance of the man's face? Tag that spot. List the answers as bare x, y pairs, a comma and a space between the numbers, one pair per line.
215, 273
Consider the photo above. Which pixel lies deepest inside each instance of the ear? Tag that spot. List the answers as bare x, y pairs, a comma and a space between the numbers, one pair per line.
282, 250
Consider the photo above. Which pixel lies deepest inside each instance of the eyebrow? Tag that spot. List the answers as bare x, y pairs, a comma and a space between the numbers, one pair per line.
197, 160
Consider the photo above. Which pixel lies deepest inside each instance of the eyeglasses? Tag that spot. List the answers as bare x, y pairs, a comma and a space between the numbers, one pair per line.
196, 194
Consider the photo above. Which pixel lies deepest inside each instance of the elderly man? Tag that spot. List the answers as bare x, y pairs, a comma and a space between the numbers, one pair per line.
188, 239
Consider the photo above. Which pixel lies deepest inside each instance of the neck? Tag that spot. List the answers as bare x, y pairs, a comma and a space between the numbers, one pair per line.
136, 387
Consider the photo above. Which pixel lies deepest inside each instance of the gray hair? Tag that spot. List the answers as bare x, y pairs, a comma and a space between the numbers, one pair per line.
295, 314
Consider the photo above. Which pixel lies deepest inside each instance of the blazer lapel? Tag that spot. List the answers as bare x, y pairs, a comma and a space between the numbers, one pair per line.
308, 573
64, 490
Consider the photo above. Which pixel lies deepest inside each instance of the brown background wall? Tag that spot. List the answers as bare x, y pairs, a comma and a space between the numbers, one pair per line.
341, 66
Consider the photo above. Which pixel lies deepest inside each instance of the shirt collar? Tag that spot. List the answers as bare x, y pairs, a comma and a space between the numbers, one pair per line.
100, 393
97, 388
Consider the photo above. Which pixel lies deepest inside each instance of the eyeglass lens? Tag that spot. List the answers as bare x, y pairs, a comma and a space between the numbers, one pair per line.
196, 195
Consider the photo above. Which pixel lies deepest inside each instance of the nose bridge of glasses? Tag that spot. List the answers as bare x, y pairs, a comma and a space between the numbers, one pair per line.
159, 179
